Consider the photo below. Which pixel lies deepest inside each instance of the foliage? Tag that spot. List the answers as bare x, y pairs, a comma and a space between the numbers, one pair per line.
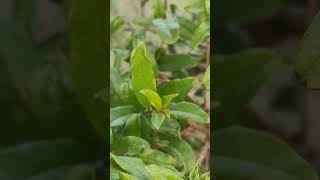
243, 147
148, 111
49, 126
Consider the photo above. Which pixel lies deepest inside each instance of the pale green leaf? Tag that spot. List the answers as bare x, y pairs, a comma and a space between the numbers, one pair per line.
200, 34
167, 29
189, 111
157, 119
197, 6
206, 78
167, 99
194, 173
205, 176
142, 73
119, 115
125, 176
153, 98
116, 24
163, 173
131, 165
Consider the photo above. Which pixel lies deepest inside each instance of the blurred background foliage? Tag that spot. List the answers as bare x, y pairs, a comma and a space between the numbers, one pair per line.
265, 124
46, 131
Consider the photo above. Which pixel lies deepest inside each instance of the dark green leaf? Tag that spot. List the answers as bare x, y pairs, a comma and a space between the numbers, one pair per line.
130, 145
170, 126
176, 62
248, 69
177, 86
152, 156
246, 11
242, 153
182, 151
308, 61
167, 29
133, 126
88, 57
142, 73
27, 160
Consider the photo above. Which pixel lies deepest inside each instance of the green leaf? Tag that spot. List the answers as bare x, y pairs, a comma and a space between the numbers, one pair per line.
152, 156
200, 34
157, 119
130, 145
176, 62
194, 173
142, 73
163, 173
189, 111
248, 69
167, 99
78, 172
167, 29
119, 115
153, 98
15, 161
308, 61
120, 56
241, 153
133, 126
187, 27
206, 78
88, 57
205, 176
121, 92
170, 126
116, 24
132, 166
177, 86
245, 12
196, 7
125, 176
159, 9
182, 151
142, 21
207, 7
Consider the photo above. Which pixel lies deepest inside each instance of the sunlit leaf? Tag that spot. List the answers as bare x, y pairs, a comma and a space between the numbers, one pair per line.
142, 73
